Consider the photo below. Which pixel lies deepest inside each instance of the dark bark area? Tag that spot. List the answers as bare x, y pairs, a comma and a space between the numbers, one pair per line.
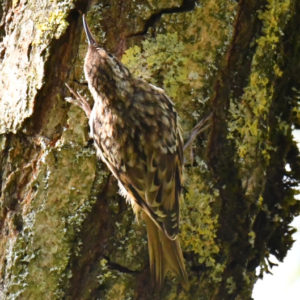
234, 211
65, 231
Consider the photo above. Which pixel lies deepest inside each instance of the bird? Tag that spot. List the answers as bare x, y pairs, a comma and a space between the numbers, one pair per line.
136, 133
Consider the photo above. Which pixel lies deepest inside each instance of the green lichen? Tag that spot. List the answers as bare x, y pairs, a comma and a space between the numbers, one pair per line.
120, 289
199, 224
114, 284
158, 4
105, 273
53, 24
230, 285
252, 237
128, 246
161, 62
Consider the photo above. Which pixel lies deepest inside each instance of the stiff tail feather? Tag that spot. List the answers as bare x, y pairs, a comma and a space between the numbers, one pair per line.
164, 254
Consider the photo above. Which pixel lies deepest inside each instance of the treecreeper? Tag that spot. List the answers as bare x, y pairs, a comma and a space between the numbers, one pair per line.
136, 133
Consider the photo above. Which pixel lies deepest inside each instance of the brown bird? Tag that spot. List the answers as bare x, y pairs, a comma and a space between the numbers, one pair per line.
136, 133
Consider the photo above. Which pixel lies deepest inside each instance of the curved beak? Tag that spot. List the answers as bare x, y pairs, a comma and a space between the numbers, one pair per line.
89, 36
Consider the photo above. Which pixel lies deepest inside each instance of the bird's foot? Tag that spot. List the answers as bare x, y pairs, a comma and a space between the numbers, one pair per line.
79, 101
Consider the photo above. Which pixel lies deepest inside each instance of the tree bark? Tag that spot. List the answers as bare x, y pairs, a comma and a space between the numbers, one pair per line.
65, 231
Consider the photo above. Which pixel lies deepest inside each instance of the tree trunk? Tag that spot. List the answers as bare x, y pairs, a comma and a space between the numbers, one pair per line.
65, 231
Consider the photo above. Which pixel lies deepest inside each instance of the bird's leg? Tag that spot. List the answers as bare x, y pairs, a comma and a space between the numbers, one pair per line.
79, 101
201, 126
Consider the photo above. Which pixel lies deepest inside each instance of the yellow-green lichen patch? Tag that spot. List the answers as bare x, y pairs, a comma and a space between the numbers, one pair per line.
114, 284
120, 289
53, 24
230, 285
128, 246
161, 62
158, 4
199, 224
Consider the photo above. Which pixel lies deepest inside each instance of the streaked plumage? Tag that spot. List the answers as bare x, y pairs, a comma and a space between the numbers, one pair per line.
136, 133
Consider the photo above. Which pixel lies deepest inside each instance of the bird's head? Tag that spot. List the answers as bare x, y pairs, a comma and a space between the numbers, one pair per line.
102, 70
95, 55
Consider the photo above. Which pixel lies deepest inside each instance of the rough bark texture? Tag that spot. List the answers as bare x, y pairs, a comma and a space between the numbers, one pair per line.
65, 231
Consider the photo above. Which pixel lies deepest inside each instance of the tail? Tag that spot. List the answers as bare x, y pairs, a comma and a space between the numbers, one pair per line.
164, 255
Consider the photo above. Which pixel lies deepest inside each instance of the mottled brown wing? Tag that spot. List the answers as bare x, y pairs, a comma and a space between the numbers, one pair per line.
155, 183
157, 191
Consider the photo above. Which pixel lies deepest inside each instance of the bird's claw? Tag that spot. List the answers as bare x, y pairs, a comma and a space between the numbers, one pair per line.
79, 101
